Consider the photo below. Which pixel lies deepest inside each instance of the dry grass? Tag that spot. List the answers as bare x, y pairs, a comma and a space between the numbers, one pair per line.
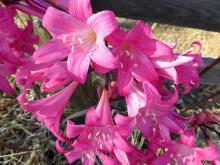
23, 140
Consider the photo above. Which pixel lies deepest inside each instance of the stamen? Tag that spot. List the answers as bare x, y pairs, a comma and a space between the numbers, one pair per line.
64, 39
184, 159
127, 53
72, 49
100, 146
103, 135
97, 133
121, 64
89, 136
80, 40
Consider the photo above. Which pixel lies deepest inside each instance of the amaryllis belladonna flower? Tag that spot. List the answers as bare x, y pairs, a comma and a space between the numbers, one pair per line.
185, 152
78, 36
98, 136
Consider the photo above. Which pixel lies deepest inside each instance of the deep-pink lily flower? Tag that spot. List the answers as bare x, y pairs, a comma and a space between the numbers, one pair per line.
79, 36
98, 135
49, 110
134, 64
143, 57
207, 117
185, 151
52, 76
188, 74
157, 113
164, 59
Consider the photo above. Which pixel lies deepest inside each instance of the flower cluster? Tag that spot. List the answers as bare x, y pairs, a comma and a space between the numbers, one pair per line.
141, 70
16, 45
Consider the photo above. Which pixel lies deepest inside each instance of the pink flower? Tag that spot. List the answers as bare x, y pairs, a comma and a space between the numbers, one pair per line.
97, 136
164, 59
49, 110
15, 45
79, 36
185, 152
188, 73
6, 70
180, 68
23, 45
52, 76
134, 64
157, 113
143, 58
136, 99
207, 117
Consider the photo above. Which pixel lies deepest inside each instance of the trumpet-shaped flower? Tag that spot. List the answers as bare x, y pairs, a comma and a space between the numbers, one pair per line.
185, 152
143, 58
97, 136
49, 110
188, 74
79, 36
134, 64
157, 113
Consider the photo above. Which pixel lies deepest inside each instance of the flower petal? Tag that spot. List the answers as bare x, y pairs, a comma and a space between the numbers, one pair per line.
116, 37
124, 82
126, 124
145, 125
169, 73
166, 64
73, 130
104, 23
155, 49
139, 35
91, 117
135, 101
59, 23
208, 153
143, 69
121, 156
78, 65
72, 156
80, 9
49, 110
5, 86
103, 59
50, 52
107, 160
103, 109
